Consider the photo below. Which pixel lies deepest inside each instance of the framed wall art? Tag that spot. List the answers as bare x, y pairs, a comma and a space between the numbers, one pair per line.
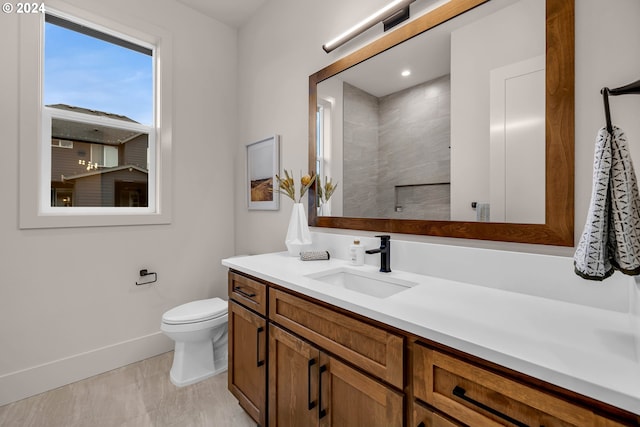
262, 166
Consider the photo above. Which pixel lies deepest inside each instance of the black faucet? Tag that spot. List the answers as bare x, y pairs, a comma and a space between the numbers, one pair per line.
385, 253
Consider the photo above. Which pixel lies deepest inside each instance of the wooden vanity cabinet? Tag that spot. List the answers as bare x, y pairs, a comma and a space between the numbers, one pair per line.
247, 373
308, 387
323, 366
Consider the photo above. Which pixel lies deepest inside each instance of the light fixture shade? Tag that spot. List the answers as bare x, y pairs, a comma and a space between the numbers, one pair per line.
379, 16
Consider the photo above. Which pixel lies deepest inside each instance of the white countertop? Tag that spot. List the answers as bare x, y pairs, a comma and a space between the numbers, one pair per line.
588, 350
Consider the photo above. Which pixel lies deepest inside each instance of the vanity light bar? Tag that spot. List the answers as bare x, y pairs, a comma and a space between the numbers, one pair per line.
381, 15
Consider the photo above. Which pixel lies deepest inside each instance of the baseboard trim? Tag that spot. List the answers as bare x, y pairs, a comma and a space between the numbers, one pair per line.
38, 379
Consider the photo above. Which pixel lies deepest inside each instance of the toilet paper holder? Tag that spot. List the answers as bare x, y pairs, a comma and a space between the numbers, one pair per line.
145, 273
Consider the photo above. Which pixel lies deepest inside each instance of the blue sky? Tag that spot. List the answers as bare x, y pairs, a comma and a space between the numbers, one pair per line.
87, 72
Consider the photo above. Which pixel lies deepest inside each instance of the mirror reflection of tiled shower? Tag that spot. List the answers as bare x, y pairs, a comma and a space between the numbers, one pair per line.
431, 201
397, 152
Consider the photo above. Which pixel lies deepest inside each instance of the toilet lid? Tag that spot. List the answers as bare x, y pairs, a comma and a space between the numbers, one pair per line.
196, 311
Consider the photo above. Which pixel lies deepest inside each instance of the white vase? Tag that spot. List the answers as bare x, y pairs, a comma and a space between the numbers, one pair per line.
298, 235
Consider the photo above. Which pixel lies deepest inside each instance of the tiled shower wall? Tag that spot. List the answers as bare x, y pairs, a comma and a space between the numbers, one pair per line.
360, 155
396, 152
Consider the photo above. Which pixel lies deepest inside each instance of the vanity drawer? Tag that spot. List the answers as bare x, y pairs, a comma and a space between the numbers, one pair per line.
368, 347
425, 417
248, 292
476, 396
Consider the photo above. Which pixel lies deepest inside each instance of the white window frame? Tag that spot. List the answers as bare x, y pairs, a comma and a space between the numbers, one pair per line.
35, 135
62, 143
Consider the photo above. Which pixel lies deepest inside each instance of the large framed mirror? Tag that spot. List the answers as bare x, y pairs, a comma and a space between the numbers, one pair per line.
476, 142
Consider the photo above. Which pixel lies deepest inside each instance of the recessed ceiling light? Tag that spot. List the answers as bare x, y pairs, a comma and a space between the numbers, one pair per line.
406, 73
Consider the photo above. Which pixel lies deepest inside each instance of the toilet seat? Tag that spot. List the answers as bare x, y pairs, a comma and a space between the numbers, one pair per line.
196, 311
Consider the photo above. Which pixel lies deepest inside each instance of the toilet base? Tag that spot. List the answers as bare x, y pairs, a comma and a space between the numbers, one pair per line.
194, 362
179, 382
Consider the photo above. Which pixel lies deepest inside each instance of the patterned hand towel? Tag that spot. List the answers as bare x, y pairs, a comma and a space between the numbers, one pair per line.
611, 237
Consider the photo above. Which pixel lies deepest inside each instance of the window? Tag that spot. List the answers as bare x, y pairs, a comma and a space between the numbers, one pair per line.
100, 149
323, 151
62, 143
320, 141
104, 155
98, 93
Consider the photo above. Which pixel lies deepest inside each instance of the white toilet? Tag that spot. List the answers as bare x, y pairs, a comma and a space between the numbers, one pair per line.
199, 329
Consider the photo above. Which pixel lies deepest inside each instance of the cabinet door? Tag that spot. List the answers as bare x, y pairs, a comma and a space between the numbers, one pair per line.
350, 398
293, 380
247, 360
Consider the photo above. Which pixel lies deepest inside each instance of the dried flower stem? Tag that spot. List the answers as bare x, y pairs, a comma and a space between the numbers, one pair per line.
287, 185
325, 191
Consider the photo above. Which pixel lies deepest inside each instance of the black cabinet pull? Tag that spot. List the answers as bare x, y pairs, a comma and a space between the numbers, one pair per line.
239, 290
460, 392
321, 412
312, 404
258, 331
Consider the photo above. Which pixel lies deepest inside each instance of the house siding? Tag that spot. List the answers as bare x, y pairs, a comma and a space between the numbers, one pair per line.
64, 161
99, 190
134, 152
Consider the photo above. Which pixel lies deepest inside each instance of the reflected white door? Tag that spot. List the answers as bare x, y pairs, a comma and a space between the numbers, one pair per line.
517, 168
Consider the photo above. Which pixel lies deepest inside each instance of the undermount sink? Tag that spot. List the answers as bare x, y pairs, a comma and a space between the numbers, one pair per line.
374, 284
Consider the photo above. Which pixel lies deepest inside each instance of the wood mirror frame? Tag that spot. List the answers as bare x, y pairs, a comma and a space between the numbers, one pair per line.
559, 135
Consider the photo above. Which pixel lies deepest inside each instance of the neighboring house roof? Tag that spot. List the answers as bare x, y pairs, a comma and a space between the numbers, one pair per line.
103, 171
92, 133
91, 112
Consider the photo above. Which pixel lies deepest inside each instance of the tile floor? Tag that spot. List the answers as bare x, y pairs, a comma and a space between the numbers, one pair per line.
136, 395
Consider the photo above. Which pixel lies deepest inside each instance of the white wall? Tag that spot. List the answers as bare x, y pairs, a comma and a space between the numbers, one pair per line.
68, 304
281, 46
277, 51
510, 35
